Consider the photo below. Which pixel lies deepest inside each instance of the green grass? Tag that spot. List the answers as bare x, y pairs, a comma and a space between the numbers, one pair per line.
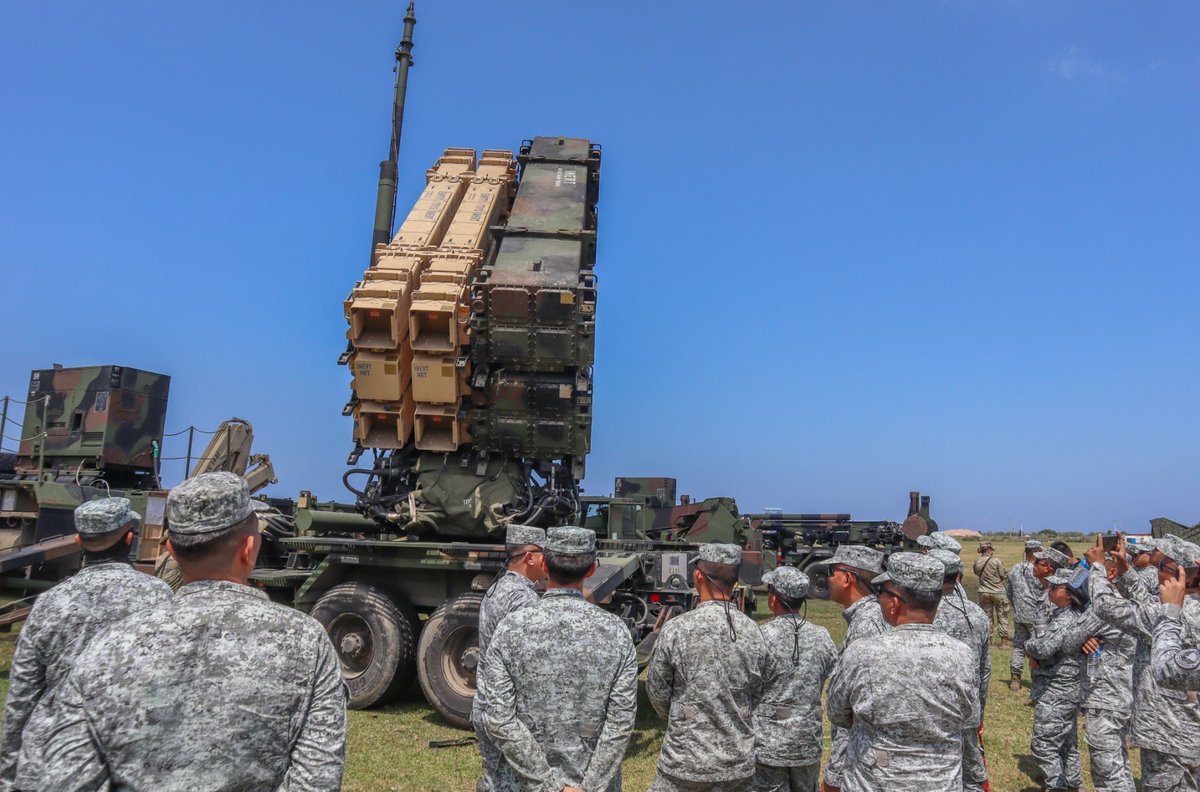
388, 748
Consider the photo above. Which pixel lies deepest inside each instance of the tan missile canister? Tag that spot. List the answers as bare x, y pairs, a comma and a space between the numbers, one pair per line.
381, 376
383, 424
437, 380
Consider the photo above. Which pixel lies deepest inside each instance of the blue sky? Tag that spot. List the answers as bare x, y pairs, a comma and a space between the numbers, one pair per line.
846, 250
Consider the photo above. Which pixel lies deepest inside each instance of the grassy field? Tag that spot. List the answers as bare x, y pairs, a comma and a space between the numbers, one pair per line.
389, 749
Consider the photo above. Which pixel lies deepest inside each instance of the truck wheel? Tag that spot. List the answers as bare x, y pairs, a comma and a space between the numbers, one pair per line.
448, 656
375, 638
818, 582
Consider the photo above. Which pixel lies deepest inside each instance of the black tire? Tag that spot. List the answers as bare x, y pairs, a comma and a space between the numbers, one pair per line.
818, 582
448, 656
375, 636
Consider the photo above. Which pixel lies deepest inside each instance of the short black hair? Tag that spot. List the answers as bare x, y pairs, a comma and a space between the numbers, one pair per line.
791, 603
1063, 548
513, 552
927, 601
950, 577
722, 574
117, 551
568, 567
201, 547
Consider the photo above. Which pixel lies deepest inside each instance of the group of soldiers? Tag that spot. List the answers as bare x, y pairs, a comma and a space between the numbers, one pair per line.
119, 683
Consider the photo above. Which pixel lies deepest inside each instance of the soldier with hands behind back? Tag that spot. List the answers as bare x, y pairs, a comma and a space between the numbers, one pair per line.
510, 592
216, 689
706, 676
63, 621
1024, 595
907, 695
787, 724
561, 681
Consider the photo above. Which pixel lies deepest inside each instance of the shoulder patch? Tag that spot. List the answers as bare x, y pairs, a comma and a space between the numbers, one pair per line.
1188, 659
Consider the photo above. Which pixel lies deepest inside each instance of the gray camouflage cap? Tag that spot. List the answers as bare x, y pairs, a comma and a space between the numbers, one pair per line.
102, 516
717, 553
524, 535
939, 541
1033, 544
1056, 558
1181, 551
950, 561
867, 559
913, 571
1143, 545
1060, 578
571, 541
207, 503
788, 582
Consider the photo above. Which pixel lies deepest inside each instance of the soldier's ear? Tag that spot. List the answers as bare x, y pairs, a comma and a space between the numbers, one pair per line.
171, 550
591, 570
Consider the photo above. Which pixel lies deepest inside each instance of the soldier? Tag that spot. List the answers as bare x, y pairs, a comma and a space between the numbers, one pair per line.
1175, 667
561, 681
1142, 563
939, 541
706, 676
1166, 725
908, 695
960, 618
1056, 646
510, 592
64, 619
992, 595
851, 570
787, 724
216, 688
1024, 594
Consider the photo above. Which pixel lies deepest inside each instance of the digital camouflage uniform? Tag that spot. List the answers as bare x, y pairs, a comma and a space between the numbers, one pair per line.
1108, 704
907, 696
1174, 666
510, 592
63, 621
1058, 690
707, 674
217, 688
1025, 594
1161, 717
960, 618
993, 596
864, 619
561, 681
787, 724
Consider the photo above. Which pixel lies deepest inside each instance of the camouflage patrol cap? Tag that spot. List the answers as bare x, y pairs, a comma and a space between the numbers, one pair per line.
207, 503
913, 571
950, 561
867, 559
1061, 577
1181, 551
571, 541
788, 582
1033, 544
1057, 559
260, 507
524, 535
100, 516
939, 541
1142, 545
717, 553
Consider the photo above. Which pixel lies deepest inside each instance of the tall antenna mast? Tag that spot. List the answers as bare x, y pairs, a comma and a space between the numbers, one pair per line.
385, 200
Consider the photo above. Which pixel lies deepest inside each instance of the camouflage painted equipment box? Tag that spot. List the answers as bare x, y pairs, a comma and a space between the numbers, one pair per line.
105, 418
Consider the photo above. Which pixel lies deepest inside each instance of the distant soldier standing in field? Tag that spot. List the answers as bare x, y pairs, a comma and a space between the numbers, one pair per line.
216, 688
1025, 595
64, 619
787, 724
962, 619
851, 570
561, 681
706, 676
992, 595
908, 695
511, 591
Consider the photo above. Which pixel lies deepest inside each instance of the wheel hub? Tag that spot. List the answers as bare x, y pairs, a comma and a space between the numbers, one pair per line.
470, 659
352, 644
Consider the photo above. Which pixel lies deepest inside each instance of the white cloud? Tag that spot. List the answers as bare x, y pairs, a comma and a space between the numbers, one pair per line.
1075, 64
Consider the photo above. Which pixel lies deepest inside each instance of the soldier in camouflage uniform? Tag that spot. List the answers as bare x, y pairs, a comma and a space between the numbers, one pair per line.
907, 696
1056, 646
1143, 563
217, 688
1174, 667
851, 570
787, 724
561, 681
1025, 595
962, 619
510, 592
1162, 717
706, 676
64, 619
